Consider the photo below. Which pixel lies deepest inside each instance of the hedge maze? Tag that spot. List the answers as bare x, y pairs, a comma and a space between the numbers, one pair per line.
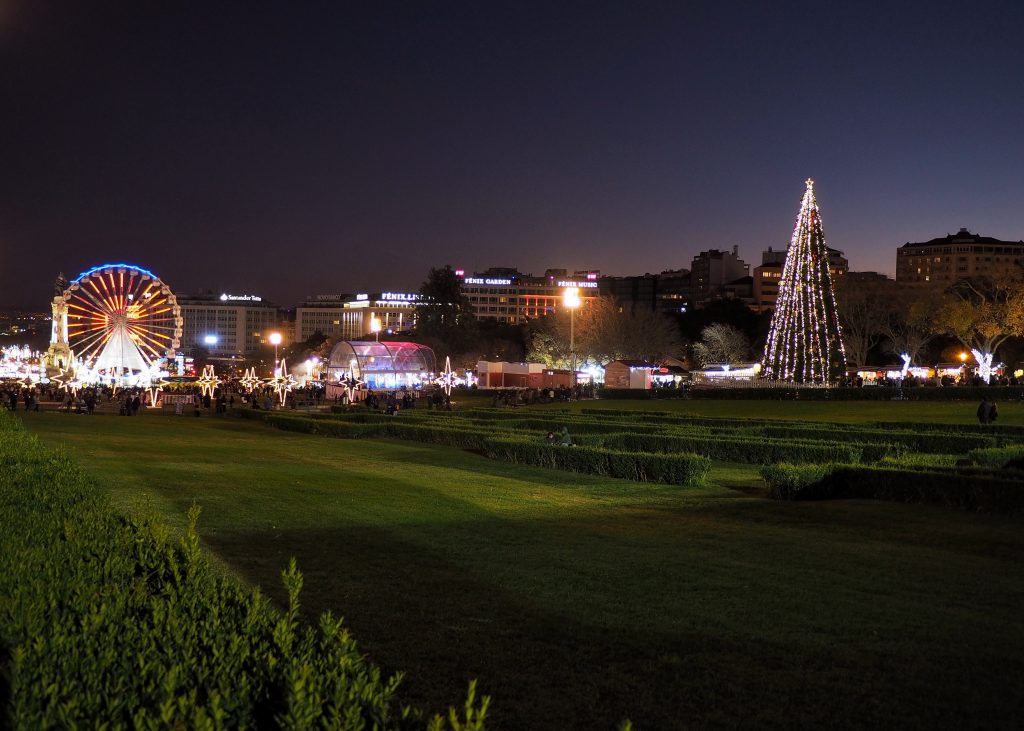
962, 465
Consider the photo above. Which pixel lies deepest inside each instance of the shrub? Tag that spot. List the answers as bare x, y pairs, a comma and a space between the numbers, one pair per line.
997, 456
912, 459
794, 482
972, 490
105, 621
738, 449
869, 393
678, 469
464, 438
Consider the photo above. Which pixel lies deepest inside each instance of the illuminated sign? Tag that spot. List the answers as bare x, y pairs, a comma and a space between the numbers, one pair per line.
460, 272
362, 296
489, 282
399, 297
240, 298
588, 285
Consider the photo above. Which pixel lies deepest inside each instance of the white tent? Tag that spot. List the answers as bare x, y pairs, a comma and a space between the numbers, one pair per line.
119, 353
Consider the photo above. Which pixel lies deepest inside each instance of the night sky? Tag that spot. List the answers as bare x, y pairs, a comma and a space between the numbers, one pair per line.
289, 149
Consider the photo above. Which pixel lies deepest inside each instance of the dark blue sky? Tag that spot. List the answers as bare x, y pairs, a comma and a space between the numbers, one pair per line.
300, 148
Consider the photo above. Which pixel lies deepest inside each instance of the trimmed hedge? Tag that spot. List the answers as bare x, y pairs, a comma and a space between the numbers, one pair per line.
998, 457
104, 621
928, 443
432, 434
754, 451
787, 481
971, 490
868, 393
676, 469
990, 430
640, 394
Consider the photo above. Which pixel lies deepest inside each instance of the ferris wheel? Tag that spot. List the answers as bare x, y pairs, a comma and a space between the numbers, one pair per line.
121, 318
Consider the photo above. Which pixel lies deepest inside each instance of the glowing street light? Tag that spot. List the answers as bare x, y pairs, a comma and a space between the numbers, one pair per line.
963, 357
571, 300
275, 338
375, 327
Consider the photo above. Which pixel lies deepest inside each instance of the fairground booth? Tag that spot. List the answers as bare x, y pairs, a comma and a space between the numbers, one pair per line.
620, 374
500, 374
378, 366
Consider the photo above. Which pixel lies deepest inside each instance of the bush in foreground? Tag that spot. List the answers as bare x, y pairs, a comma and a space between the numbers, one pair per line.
104, 622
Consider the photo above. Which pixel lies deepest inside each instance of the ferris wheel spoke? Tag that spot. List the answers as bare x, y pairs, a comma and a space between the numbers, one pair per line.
142, 295
155, 326
146, 335
112, 292
97, 299
93, 343
121, 291
81, 328
149, 338
90, 310
104, 296
148, 332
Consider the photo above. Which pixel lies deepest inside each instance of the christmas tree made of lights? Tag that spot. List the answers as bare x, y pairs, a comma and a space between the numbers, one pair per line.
805, 344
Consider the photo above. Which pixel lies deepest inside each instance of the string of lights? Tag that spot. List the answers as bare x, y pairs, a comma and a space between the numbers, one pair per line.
804, 341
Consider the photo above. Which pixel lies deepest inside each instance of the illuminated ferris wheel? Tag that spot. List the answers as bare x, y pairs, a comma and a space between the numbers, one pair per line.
121, 318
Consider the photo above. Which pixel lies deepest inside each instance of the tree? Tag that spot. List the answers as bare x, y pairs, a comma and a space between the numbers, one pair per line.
314, 341
805, 342
200, 357
864, 308
728, 311
445, 317
909, 326
982, 314
604, 332
721, 343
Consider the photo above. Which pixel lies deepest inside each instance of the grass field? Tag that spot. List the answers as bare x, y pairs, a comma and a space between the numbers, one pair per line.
579, 601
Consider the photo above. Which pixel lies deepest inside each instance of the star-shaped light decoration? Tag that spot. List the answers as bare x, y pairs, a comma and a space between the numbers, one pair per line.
75, 386
153, 393
283, 382
66, 380
446, 378
249, 381
208, 381
352, 385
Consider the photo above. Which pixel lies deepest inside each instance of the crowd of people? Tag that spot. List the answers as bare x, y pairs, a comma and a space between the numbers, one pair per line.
391, 402
529, 396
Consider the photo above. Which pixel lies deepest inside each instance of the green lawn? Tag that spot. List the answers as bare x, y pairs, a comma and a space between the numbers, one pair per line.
578, 601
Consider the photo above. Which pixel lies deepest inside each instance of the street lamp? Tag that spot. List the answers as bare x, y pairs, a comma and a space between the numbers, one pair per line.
571, 300
275, 338
375, 327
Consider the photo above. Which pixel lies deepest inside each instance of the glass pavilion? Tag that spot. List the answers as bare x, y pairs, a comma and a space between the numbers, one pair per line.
380, 366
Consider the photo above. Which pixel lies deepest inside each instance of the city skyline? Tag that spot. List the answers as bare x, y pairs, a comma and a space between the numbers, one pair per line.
344, 149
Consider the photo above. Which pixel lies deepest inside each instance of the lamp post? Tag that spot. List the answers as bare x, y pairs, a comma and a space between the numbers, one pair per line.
275, 338
375, 327
571, 300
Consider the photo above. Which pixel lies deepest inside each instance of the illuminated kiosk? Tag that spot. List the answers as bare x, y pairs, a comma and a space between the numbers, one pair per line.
356, 366
117, 319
